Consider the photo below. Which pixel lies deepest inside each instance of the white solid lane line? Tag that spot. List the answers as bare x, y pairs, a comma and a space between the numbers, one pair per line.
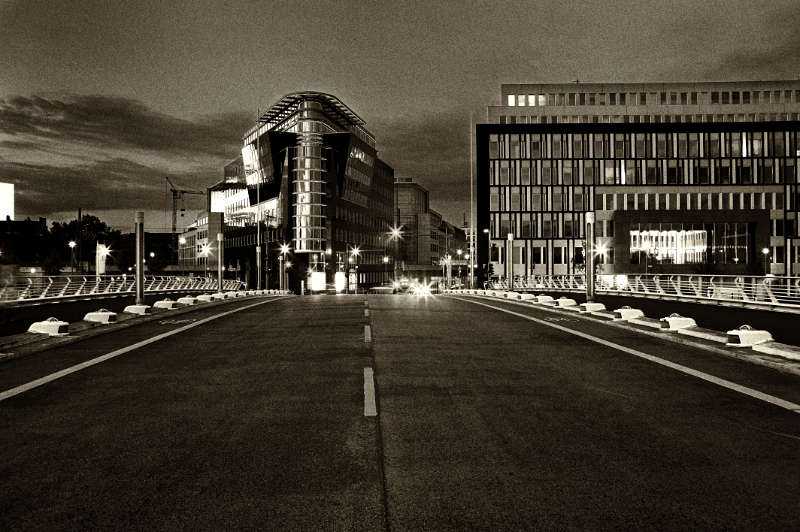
370, 408
102, 358
777, 401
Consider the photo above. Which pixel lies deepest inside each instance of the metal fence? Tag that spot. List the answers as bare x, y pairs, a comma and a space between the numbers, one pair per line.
56, 287
779, 293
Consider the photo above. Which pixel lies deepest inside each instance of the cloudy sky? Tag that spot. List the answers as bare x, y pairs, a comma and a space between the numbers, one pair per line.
101, 99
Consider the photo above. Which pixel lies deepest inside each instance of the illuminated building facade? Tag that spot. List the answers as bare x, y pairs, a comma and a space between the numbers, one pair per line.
667, 197
682, 177
310, 175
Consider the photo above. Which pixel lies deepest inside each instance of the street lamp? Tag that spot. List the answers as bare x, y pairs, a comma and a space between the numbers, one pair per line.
284, 250
386, 267
72, 245
488, 253
355, 252
765, 251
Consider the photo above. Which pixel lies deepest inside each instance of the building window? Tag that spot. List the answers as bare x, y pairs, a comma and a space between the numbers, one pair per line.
511, 100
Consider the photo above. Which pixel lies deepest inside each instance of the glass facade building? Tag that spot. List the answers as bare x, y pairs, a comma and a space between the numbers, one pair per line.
667, 197
310, 175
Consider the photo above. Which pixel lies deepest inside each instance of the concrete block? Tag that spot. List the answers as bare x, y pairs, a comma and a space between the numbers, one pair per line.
141, 310
544, 299
187, 300
565, 302
101, 316
627, 313
219, 295
527, 297
778, 349
675, 322
591, 307
746, 336
50, 327
204, 298
166, 304
510, 295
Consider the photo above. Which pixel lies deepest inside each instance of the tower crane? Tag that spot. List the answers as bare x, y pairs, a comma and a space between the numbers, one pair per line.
177, 194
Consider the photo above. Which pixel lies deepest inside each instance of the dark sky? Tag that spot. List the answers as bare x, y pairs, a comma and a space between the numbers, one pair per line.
99, 100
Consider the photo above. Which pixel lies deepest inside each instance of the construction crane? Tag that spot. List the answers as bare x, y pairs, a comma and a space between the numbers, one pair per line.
177, 193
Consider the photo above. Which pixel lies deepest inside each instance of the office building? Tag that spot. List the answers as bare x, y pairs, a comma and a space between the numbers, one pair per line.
426, 237
310, 176
648, 103
672, 195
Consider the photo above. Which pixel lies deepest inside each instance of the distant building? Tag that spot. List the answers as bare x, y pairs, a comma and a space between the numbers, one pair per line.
197, 245
310, 175
7, 201
426, 237
681, 178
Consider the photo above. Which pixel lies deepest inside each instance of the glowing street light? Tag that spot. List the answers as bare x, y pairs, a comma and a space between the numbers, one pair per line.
72, 244
395, 233
182, 240
285, 249
355, 251
765, 251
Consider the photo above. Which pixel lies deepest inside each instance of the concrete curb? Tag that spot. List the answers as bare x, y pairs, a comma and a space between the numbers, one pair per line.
26, 344
709, 340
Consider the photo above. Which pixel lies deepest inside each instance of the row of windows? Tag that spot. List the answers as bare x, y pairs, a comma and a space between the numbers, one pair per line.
537, 225
643, 145
653, 98
690, 201
537, 255
647, 118
645, 172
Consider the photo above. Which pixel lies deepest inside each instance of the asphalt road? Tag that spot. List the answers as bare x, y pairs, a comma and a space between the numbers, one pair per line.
485, 421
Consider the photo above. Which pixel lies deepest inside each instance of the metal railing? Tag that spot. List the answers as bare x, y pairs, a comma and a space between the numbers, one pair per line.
55, 287
778, 293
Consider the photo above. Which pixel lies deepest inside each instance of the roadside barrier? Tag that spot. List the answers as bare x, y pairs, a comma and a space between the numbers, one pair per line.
101, 316
50, 327
746, 336
675, 322
627, 313
141, 310
166, 304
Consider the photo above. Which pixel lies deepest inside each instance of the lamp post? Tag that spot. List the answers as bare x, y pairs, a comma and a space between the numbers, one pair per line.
386, 267
355, 251
395, 234
765, 252
72, 245
459, 253
488, 253
220, 251
589, 257
285, 249
139, 222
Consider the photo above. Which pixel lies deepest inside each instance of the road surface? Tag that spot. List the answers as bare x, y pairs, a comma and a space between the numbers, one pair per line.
485, 420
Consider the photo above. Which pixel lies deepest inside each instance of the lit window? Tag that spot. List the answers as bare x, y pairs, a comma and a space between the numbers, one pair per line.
511, 100
521, 100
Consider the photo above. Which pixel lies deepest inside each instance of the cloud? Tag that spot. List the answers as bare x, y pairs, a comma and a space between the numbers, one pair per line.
103, 152
115, 122
433, 149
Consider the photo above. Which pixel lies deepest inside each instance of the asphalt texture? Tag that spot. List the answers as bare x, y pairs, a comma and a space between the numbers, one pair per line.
486, 421
16, 319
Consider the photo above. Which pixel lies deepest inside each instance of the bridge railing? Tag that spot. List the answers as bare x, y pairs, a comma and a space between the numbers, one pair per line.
56, 287
744, 290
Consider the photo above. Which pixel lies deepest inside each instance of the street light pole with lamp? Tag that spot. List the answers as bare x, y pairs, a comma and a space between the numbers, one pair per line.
395, 234
285, 250
488, 253
765, 252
